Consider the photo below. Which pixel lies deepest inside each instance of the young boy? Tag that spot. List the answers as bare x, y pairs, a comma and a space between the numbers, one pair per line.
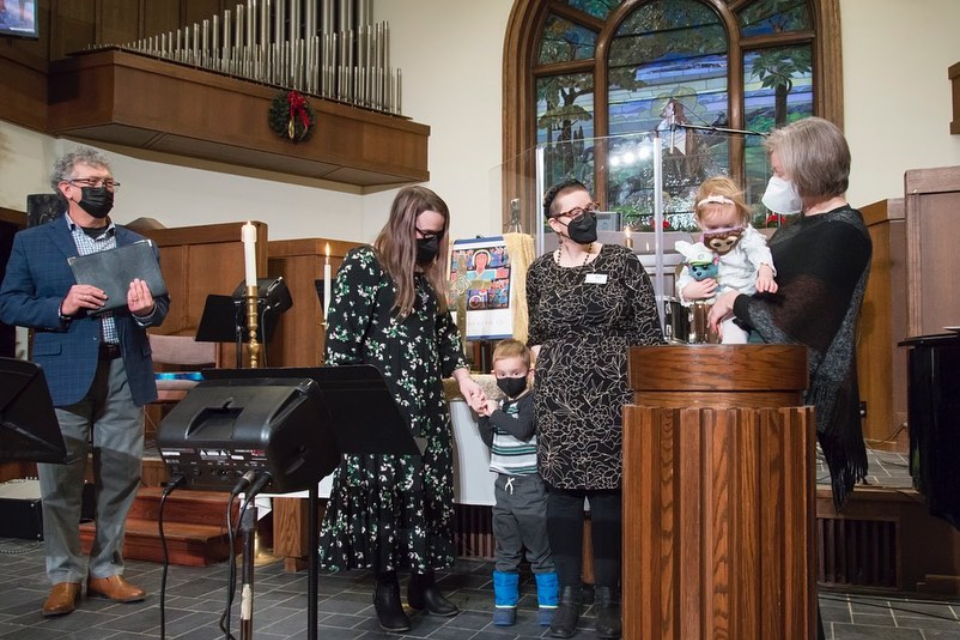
520, 514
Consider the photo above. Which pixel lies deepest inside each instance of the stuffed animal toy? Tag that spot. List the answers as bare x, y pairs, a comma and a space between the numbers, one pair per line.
701, 261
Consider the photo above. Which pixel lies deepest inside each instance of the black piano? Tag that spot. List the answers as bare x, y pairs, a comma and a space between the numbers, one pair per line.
933, 398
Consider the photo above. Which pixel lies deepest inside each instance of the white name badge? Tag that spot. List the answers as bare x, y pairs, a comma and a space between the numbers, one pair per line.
595, 278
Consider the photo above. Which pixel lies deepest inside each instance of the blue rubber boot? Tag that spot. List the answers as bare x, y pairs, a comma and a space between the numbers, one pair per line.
548, 591
506, 593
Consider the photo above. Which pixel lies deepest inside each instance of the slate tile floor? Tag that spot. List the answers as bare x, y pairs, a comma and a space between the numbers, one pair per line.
195, 599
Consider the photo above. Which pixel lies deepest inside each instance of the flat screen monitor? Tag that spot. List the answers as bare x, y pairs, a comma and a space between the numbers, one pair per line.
18, 19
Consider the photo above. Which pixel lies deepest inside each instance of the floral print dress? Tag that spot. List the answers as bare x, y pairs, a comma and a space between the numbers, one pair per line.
585, 318
390, 512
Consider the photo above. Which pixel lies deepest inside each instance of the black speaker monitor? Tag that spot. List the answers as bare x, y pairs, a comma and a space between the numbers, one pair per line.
224, 428
29, 429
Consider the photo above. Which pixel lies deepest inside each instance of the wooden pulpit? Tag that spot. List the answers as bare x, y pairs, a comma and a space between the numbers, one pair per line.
718, 508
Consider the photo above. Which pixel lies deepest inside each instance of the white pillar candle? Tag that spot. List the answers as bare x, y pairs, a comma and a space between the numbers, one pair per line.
249, 236
327, 283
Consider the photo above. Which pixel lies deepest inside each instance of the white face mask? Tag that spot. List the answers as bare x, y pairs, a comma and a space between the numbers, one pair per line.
781, 197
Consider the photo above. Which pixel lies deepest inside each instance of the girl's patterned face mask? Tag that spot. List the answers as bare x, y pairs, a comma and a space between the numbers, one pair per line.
721, 241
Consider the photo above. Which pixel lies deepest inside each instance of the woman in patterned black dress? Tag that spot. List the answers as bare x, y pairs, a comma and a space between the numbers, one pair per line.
391, 513
587, 304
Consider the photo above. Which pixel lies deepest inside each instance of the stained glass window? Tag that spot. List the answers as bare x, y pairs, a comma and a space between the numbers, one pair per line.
667, 63
774, 16
596, 8
564, 122
563, 41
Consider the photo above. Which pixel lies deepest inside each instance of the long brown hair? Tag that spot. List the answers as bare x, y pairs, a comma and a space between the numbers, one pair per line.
397, 246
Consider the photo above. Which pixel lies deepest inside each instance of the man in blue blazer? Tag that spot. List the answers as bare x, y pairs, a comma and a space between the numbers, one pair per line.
100, 373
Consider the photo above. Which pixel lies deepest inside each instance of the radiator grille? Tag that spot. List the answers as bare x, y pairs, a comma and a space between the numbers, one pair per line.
473, 529
858, 553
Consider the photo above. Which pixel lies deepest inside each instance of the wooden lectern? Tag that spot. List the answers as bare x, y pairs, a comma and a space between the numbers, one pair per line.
718, 510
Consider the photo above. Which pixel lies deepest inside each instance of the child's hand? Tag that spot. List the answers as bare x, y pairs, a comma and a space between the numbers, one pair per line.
699, 290
486, 408
477, 404
765, 281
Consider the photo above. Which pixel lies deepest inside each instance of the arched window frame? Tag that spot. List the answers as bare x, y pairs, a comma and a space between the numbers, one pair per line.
520, 71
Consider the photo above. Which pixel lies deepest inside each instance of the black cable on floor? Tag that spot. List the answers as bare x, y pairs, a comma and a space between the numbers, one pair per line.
171, 486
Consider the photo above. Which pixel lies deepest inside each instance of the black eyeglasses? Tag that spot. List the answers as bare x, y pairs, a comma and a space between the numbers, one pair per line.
96, 183
428, 235
576, 212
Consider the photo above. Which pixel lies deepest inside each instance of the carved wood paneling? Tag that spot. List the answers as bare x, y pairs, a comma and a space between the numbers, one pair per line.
74, 26
718, 496
177, 110
118, 21
196, 11
161, 16
125, 98
932, 201
883, 324
299, 341
199, 261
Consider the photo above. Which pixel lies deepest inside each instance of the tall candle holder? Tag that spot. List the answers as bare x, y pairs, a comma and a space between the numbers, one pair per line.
253, 306
327, 285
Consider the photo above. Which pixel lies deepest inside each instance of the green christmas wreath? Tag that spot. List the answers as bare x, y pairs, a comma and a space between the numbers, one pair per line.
292, 117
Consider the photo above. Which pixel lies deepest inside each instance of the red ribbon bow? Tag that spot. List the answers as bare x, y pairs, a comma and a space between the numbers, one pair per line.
298, 109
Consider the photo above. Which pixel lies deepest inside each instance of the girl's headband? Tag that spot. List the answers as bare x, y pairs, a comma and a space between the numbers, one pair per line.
715, 199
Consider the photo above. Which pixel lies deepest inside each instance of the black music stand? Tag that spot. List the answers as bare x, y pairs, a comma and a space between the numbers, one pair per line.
360, 411
224, 319
29, 430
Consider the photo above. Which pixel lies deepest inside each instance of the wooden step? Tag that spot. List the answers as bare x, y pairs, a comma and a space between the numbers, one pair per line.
194, 525
196, 507
195, 545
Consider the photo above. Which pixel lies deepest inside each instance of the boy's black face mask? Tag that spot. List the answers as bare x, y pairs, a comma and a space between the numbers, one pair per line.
512, 387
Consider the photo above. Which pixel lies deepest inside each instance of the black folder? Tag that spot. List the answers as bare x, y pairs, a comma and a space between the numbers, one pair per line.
114, 269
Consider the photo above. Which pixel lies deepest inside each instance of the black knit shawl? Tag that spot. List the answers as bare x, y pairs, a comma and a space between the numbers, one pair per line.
822, 263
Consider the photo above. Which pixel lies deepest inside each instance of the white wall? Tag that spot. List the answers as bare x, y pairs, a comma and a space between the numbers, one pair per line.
897, 97
897, 106
25, 161
450, 52
188, 193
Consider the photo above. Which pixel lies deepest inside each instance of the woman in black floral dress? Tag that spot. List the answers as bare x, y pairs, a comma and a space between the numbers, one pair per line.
391, 513
587, 304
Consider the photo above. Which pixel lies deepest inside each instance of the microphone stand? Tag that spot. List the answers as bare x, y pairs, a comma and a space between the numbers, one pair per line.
248, 525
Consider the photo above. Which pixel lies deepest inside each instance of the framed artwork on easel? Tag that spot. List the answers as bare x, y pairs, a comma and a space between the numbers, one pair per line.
480, 278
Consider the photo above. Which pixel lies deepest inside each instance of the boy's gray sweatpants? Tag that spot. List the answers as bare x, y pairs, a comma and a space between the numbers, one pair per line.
520, 522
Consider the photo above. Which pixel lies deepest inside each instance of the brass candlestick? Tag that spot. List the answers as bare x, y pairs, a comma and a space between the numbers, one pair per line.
253, 349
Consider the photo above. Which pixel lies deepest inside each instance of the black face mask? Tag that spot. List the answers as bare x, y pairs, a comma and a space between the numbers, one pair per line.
97, 201
584, 229
427, 249
512, 387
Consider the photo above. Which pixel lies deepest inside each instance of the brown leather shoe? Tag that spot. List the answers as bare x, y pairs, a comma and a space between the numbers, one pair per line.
62, 600
115, 588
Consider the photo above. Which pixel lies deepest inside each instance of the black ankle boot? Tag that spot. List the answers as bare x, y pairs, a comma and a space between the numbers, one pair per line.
386, 600
422, 593
607, 606
565, 620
